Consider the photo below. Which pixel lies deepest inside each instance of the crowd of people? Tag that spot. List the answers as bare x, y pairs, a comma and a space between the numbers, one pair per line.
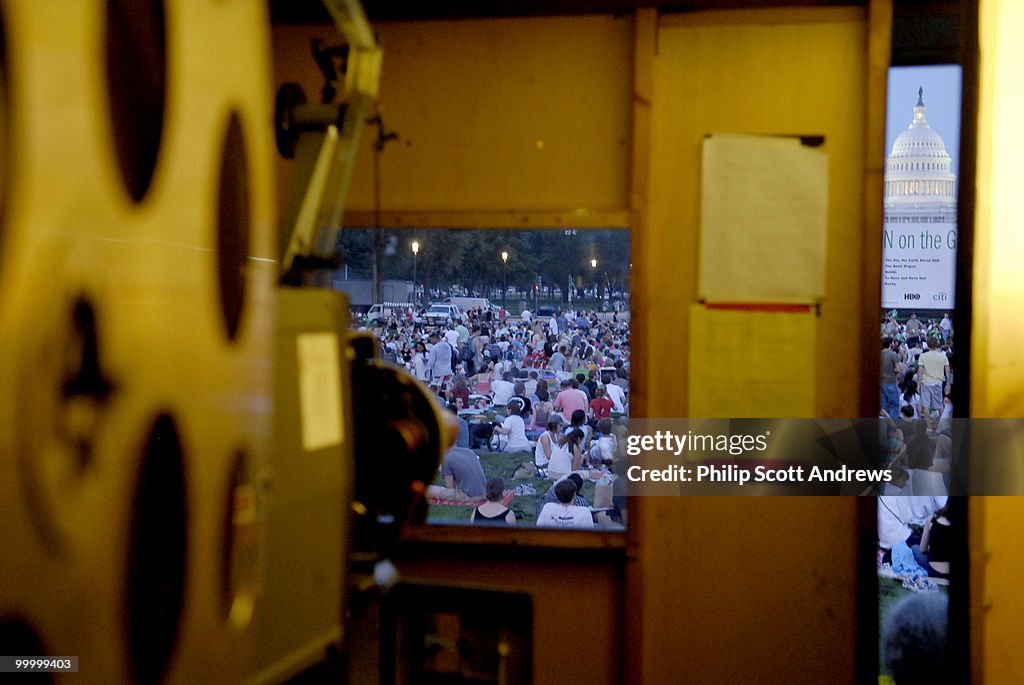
554, 388
484, 345
916, 410
915, 547
915, 525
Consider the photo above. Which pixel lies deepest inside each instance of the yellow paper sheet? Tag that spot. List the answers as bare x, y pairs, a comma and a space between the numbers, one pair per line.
319, 389
764, 215
750, 364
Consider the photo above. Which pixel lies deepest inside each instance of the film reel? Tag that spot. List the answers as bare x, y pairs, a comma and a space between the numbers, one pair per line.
136, 309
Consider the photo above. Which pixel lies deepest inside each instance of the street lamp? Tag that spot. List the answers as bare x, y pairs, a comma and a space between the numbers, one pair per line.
571, 233
593, 265
415, 251
504, 280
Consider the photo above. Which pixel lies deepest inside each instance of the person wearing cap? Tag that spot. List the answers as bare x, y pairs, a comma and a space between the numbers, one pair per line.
514, 427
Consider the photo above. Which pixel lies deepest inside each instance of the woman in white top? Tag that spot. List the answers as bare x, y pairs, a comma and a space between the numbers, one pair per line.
565, 455
911, 398
547, 444
514, 427
419, 363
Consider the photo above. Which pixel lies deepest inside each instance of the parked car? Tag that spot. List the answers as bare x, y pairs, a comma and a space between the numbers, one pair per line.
440, 314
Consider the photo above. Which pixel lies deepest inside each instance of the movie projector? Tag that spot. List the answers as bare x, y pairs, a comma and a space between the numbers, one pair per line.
192, 456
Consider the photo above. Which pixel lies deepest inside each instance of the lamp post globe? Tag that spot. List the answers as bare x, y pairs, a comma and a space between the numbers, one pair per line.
415, 252
504, 280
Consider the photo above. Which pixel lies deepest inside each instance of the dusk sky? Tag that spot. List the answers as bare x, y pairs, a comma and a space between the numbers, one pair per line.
941, 96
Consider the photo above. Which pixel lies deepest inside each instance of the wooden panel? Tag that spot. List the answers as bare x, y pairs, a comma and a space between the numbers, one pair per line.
749, 589
997, 373
492, 115
743, 77
741, 588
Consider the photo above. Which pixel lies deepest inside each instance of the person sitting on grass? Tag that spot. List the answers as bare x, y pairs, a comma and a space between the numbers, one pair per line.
578, 421
547, 444
514, 427
493, 512
601, 407
564, 514
933, 552
604, 446
519, 393
551, 498
463, 438
503, 389
572, 446
464, 478
542, 393
542, 414
563, 458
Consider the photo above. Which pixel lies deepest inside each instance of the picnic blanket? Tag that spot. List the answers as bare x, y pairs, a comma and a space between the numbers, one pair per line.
506, 497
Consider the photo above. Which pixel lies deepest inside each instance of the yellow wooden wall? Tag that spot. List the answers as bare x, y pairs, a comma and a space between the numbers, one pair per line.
997, 369
493, 115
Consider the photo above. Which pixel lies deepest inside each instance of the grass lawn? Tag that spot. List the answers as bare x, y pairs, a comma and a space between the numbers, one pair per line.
503, 464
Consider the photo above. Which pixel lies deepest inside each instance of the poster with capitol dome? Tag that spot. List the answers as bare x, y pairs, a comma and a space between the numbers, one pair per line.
919, 238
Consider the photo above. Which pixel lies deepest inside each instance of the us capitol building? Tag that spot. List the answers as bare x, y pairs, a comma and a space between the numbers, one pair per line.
920, 188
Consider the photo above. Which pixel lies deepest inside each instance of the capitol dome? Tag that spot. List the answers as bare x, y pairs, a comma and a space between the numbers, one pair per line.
917, 171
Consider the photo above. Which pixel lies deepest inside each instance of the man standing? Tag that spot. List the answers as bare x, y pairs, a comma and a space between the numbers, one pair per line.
439, 363
890, 389
914, 330
451, 336
463, 333
946, 327
932, 372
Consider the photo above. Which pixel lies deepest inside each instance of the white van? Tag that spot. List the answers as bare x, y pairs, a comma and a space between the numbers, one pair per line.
467, 303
